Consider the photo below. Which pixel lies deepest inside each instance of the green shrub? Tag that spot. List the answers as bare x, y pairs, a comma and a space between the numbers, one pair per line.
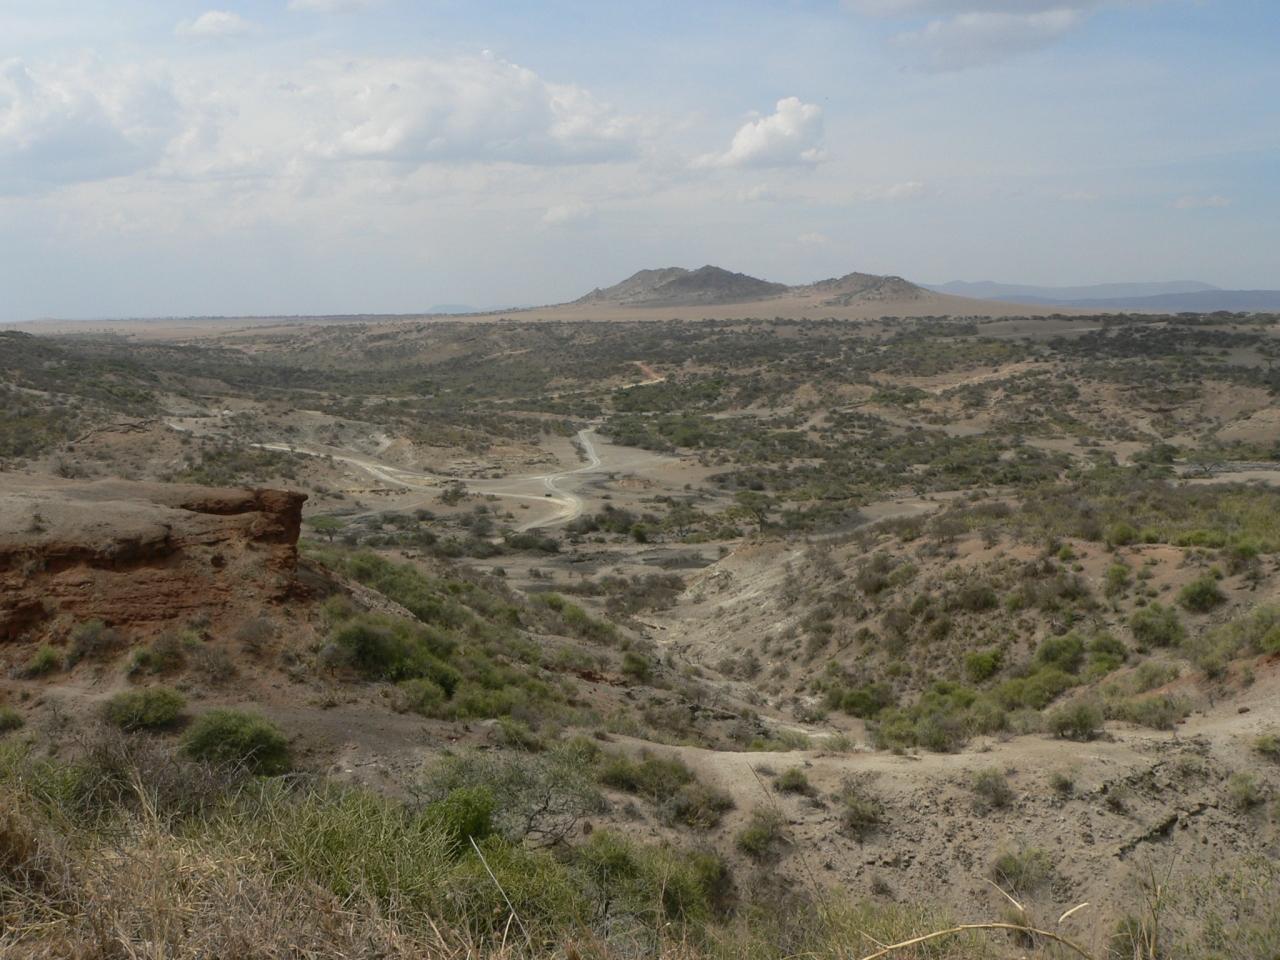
1081, 720
1118, 578
1106, 654
1062, 783
1268, 746
793, 780
166, 654
991, 789
983, 664
942, 719
91, 640
1065, 653
153, 709
10, 719
764, 835
420, 695
865, 702
1023, 871
649, 776
859, 811
1245, 791
1158, 713
236, 737
1156, 625
383, 648
1150, 675
1201, 595
1035, 691
637, 666
1121, 534
45, 660
465, 813
539, 799
696, 805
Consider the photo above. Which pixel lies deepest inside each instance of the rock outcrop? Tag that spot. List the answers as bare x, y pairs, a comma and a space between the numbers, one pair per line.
145, 556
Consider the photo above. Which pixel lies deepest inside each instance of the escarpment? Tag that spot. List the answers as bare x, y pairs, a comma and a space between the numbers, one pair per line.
140, 555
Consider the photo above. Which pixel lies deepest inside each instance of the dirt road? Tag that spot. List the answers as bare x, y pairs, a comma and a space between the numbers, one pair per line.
540, 488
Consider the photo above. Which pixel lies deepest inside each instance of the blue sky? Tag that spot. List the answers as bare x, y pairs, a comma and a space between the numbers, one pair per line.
327, 156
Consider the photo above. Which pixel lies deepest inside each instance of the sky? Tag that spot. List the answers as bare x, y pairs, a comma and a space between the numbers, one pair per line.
174, 158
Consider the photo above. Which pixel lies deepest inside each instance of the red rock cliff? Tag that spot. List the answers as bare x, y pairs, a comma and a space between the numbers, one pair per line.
143, 555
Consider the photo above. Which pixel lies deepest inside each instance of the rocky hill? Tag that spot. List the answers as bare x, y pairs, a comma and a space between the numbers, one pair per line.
708, 286
678, 287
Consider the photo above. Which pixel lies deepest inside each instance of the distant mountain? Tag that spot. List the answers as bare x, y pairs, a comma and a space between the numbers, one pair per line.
987, 290
452, 308
1206, 301
860, 287
678, 287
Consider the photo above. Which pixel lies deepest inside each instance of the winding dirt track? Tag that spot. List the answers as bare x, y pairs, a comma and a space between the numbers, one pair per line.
567, 504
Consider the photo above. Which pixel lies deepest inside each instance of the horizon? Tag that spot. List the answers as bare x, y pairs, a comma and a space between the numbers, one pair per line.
338, 157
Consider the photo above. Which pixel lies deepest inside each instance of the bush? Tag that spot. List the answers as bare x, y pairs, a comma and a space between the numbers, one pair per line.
153, 709
45, 660
1118, 578
382, 648
1121, 534
1066, 653
91, 640
420, 695
167, 654
1268, 746
860, 812
1156, 625
1106, 653
1023, 871
865, 702
794, 780
1245, 792
465, 813
1081, 720
538, 798
763, 837
991, 789
982, 664
1201, 595
637, 666
1062, 783
696, 805
236, 737
1158, 713
10, 719
653, 777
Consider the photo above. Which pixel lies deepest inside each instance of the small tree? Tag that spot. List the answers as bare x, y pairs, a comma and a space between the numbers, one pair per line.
329, 526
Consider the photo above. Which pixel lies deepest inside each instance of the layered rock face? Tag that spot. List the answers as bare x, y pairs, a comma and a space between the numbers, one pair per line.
140, 555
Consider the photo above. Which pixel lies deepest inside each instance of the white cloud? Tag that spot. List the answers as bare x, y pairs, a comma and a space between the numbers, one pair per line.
812, 239
567, 213
63, 124
1211, 202
759, 193
946, 35
330, 6
791, 135
897, 191
68, 123
464, 109
979, 38
1080, 196
214, 25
